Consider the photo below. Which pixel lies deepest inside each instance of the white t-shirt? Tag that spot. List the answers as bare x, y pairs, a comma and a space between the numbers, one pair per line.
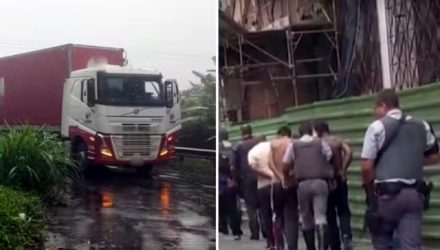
258, 158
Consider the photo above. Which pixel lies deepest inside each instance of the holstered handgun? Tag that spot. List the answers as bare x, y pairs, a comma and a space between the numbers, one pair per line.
425, 188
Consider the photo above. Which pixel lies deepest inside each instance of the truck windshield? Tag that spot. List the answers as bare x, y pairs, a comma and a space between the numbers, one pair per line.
131, 90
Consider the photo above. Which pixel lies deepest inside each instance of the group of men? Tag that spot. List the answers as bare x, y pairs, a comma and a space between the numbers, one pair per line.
284, 178
289, 184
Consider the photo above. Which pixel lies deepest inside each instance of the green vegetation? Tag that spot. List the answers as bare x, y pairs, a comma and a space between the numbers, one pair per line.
34, 166
21, 220
198, 112
34, 161
199, 171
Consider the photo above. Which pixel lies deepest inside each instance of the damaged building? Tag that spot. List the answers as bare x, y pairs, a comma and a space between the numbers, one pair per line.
276, 54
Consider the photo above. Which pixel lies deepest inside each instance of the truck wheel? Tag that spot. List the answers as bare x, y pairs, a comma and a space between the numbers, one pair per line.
80, 156
146, 171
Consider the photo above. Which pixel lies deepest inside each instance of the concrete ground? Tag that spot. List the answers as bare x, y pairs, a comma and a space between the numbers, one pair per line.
228, 243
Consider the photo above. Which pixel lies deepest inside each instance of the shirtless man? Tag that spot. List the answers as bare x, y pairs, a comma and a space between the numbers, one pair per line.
287, 194
338, 199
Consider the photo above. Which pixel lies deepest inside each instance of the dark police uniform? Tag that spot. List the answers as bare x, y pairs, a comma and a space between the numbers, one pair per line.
247, 182
398, 173
228, 209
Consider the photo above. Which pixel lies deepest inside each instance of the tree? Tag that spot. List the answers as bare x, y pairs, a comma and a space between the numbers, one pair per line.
198, 112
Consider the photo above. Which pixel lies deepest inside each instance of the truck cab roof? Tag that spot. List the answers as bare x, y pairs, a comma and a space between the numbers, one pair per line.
113, 69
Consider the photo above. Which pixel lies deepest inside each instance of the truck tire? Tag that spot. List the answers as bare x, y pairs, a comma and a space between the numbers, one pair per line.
79, 153
145, 171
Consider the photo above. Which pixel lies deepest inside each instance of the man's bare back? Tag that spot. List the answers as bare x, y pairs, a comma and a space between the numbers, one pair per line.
278, 148
339, 154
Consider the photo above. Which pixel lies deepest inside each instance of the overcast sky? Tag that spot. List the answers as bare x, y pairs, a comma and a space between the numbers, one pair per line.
173, 36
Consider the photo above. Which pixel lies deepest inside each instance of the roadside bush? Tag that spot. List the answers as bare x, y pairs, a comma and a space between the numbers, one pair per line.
197, 135
198, 111
199, 171
34, 160
21, 220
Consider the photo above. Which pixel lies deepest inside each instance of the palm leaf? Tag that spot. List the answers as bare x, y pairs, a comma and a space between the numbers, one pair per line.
191, 118
195, 108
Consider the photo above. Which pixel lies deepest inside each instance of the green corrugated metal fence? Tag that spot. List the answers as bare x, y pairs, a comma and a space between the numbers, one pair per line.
349, 118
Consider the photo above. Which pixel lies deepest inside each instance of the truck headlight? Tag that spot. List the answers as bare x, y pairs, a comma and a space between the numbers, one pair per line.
104, 149
106, 152
163, 152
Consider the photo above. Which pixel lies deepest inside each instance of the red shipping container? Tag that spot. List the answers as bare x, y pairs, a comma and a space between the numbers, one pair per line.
31, 84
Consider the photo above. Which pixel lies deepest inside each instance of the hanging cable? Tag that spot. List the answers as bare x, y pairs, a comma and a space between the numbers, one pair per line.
343, 81
353, 51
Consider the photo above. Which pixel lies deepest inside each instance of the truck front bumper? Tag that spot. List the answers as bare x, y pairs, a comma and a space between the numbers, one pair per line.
128, 163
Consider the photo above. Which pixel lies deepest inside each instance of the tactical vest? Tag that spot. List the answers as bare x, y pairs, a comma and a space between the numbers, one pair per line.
309, 161
404, 156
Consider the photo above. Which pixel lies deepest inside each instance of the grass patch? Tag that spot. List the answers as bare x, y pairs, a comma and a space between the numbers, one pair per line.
21, 220
34, 160
36, 163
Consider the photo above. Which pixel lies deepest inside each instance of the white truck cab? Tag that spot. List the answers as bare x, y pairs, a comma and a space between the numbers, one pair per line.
121, 116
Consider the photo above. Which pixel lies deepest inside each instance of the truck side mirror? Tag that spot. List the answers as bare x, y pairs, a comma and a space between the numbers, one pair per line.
91, 92
169, 94
176, 90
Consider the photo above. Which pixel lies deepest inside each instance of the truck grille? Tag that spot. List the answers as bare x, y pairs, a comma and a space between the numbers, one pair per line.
144, 147
135, 128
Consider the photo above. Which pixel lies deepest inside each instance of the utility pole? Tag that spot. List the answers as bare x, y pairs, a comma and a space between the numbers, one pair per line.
384, 45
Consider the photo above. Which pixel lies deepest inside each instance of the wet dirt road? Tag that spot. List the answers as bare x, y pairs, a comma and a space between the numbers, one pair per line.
119, 210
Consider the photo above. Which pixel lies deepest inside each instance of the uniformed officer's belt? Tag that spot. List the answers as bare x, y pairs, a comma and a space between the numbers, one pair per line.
309, 179
392, 188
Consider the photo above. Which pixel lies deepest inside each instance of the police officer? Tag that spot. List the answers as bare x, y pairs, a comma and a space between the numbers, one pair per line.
396, 147
247, 179
310, 158
337, 205
228, 209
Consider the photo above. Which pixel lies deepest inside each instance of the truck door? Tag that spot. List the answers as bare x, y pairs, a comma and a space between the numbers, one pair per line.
88, 98
176, 101
80, 110
75, 101
173, 102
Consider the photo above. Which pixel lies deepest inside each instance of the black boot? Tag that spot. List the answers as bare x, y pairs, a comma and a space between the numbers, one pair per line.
346, 242
309, 238
322, 233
